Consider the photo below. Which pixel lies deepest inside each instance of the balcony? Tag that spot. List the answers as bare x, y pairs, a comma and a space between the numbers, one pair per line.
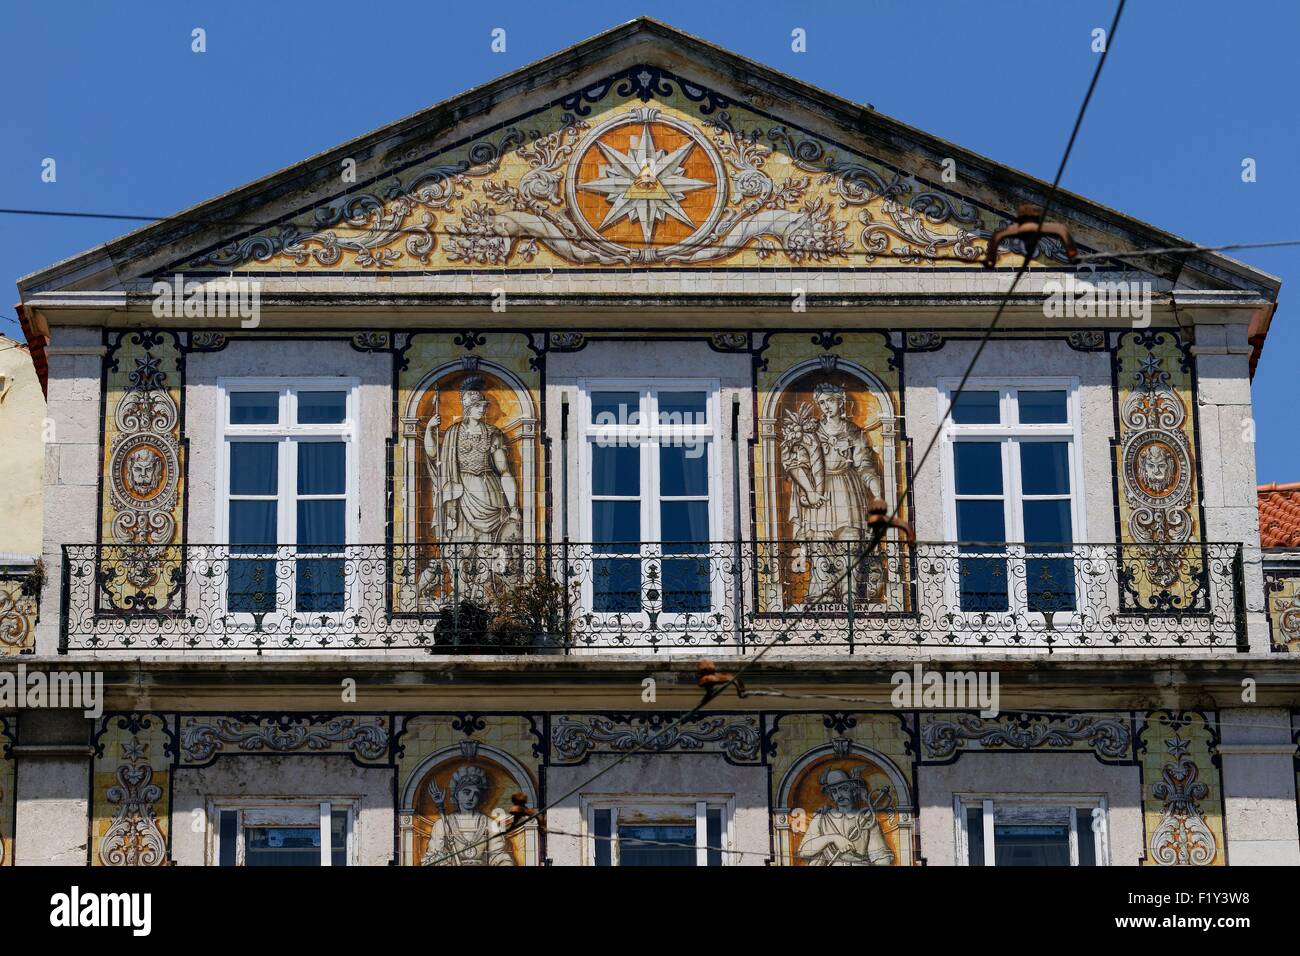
723, 597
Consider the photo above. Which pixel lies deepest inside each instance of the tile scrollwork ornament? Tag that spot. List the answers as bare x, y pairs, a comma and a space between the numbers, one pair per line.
20, 600
1283, 608
1156, 464
205, 737
143, 497
574, 738
640, 168
131, 798
1182, 795
945, 736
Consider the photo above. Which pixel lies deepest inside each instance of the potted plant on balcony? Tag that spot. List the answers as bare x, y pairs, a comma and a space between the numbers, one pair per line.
527, 613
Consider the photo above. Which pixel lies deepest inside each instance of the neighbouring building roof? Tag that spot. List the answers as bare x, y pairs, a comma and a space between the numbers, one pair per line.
1279, 515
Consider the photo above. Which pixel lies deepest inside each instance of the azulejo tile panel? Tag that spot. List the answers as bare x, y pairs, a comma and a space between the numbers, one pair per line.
1182, 794
205, 737
20, 600
945, 737
131, 790
1156, 464
143, 496
644, 168
1283, 609
467, 464
830, 439
843, 789
456, 777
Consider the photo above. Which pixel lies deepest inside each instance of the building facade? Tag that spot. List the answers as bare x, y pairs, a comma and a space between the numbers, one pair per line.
426, 472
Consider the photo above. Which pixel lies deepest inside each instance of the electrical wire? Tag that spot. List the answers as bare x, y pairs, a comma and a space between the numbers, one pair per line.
877, 537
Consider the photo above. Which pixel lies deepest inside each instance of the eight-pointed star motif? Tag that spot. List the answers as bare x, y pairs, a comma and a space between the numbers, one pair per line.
644, 184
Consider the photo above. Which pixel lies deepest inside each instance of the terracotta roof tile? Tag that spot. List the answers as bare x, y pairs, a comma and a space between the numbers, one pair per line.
1279, 515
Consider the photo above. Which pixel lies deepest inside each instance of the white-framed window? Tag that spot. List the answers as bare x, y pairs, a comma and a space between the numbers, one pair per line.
649, 466
1031, 830
286, 490
277, 832
1012, 474
659, 830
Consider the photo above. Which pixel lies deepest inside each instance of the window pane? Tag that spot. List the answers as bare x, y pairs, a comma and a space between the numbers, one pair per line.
1049, 584
1045, 467
978, 467
229, 833
616, 408
321, 521
977, 408
686, 586
615, 469
1043, 407
319, 584
981, 521
974, 836
253, 468
1017, 845
640, 845
683, 471
254, 408
616, 522
322, 408
322, 467
251, 586
616, 585
684, 521
252, 522
282, 846
683, 408
1047, 522
601, 831
1087, 836
338, 838
983, 584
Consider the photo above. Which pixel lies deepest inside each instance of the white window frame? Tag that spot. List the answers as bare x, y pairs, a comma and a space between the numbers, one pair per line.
679, 809
648, 433
987, 802
282, 812
1011, 435
288, 435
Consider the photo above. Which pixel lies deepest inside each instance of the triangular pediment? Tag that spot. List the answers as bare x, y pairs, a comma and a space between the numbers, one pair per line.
641, 168
641, 149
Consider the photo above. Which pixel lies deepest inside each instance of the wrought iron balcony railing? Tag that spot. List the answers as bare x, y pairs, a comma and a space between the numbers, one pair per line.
565, 597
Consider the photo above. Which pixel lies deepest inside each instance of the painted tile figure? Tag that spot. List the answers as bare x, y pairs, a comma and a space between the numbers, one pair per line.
476, 499
835, 474
846, 833
465, 837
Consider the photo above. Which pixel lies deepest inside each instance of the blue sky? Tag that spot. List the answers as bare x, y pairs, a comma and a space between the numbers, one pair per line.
139, 124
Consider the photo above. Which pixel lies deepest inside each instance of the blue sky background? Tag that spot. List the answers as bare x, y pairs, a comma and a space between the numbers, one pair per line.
140, 124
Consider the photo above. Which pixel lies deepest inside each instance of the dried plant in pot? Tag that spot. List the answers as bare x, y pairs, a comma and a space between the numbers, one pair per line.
530, 612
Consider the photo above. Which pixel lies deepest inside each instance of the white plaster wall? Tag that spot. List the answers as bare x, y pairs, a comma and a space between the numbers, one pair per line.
691, 775
50, 825
1259, 786
1076, 774
1228, 456
309, 778
22, 411
71, 462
